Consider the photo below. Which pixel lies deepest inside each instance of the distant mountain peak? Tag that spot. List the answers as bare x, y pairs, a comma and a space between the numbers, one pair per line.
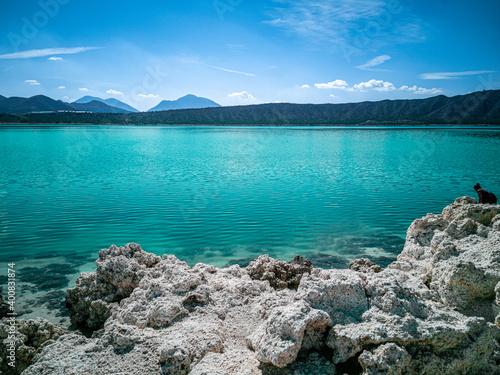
188, 101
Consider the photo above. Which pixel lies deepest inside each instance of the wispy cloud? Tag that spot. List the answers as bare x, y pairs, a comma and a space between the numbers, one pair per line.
305, 86
344, 22
54, 58
374, 62
232, 71
195, 60
83, 89
242, 96
114, 92
32, 82
46, 52
148, 96
61, 87
453, 75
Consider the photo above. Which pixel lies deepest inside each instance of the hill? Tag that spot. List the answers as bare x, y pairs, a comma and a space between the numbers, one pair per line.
481, 107
96, 106
38, 103
186, 102
111, 102
42, 103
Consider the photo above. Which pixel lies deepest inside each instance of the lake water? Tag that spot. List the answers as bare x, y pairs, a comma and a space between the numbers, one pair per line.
223, 195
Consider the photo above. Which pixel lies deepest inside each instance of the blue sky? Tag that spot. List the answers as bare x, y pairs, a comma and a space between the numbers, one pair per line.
244, 52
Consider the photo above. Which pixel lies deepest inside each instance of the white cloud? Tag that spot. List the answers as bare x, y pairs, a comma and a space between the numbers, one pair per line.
374, 62
114, 92
83, 89
452, 75
421, 90
333, 96
305, 86
241, 96
232, 71
32, 82
61, 87
54, 58
337, 84
149, 96
376, 85
66, 98
45, 52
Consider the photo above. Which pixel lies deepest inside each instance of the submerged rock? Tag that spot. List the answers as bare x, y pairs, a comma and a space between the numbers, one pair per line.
432, 311
4, 308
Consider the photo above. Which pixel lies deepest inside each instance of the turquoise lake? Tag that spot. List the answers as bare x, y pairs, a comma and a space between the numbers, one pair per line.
225, 195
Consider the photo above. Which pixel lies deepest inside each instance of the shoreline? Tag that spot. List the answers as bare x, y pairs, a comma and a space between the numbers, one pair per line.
333, 126
435, 310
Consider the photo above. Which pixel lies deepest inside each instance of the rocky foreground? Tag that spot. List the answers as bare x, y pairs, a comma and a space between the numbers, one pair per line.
436, 310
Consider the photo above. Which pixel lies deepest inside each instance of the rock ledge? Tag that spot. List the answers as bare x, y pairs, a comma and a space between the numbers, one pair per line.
434, 311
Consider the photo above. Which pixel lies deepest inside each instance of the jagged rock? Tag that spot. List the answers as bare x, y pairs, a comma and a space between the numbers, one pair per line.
289, 329
28, 337
387, 359
340, 293
280, 274
364, 265
118, 273
434, 311
187, 343
497, 291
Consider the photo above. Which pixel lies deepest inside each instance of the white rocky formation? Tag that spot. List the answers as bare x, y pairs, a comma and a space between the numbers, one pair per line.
432, 311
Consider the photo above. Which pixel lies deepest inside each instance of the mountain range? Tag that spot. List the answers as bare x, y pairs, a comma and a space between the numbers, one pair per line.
110, 102
482, 107
41, 103
186, 102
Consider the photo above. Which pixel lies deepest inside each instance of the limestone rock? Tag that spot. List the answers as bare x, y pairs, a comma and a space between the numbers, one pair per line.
387, 359
364, 265
280, 338
434, 311
118, 274
29, 338
340, 293
280, 274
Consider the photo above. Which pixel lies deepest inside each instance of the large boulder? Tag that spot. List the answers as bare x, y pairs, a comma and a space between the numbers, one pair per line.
117, 275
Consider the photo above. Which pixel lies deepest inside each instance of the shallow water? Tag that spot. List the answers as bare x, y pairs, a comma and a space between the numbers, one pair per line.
224, 195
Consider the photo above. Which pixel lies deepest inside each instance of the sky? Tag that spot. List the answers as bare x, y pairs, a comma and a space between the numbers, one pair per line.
239, 52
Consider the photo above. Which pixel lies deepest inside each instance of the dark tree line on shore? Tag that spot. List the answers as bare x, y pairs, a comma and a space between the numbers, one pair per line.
481, 107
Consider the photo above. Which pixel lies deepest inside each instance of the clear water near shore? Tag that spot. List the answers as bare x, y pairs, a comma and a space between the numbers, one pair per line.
223, 195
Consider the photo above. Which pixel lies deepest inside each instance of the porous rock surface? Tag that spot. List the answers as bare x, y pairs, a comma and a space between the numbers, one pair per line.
29, 338
432, 311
